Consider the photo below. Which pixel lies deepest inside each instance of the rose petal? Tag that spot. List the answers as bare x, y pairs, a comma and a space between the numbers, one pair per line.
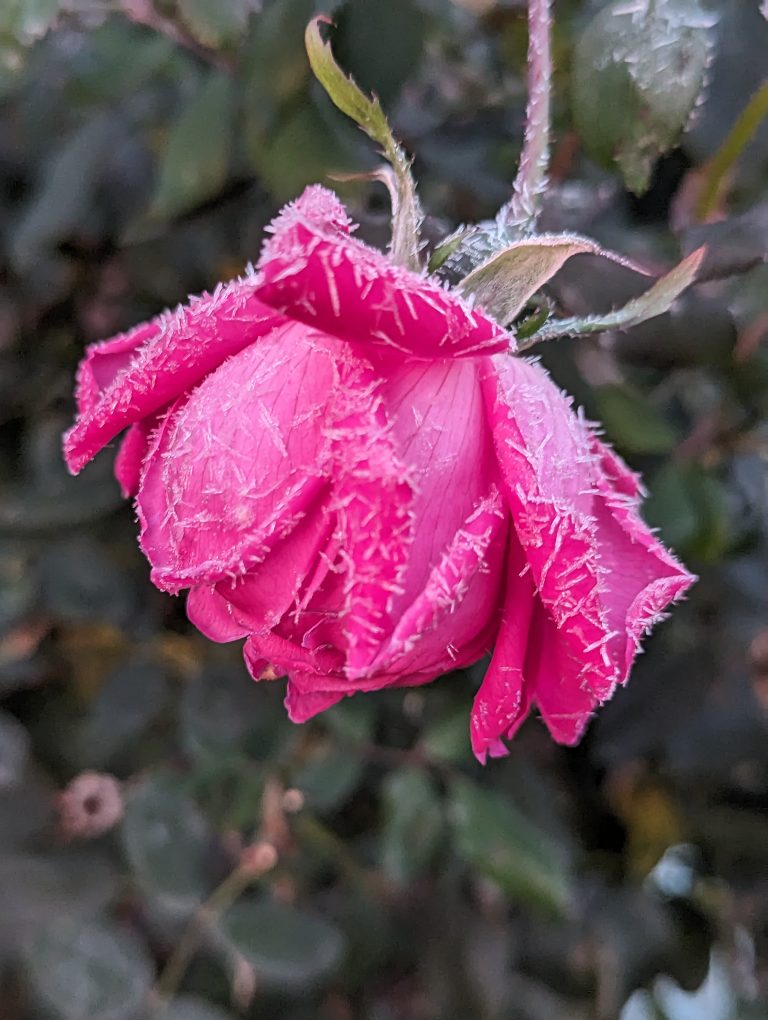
133, 450
599, 572
458, 601
504, 698
566, 703
238, 465
303, 705
373, 497
104, 361
213, 615
341, 286
121, 385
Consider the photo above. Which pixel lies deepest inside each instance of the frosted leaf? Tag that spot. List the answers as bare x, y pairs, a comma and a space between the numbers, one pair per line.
639, 72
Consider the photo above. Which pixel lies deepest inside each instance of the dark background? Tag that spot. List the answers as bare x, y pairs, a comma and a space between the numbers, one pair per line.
143, 148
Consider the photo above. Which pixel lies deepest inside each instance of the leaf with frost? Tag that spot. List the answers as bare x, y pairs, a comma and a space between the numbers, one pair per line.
639, 71
655, 301
366, 111
504, 282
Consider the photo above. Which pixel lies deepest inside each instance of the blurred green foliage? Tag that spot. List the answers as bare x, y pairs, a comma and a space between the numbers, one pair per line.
364, 865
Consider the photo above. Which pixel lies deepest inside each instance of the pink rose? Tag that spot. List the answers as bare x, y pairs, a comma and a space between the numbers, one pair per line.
345, 466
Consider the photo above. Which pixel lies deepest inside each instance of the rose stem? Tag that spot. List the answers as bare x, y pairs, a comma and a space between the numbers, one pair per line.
521, 212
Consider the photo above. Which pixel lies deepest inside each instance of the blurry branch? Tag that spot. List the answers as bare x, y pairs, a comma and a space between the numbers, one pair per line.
727, 155
522, 211
255, 861
144, 12
220, 900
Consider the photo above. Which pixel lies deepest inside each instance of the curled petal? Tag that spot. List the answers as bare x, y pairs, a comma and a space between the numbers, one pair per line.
600, 574
504, 698
341, 286
458, 601
303, 705
133, 376
235, 468
104, 361
213, 615
133, 450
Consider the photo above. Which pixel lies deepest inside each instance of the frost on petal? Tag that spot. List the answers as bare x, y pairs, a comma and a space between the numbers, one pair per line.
326, 279
236, 467
459, 601
128, 378
552, 674
504, 698
600, 574
259, 599
373, 496
316, 205
133, 450
104, 361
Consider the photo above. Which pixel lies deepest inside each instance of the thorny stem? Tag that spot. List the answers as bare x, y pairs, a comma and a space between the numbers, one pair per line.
220, 900
726, 156
521, 212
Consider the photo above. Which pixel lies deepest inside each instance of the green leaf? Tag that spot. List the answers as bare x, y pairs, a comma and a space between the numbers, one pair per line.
367, 112
638, 72
275, 64
631, 421
66, 192
413, 824
655, 301
447, 738
216, 23
302, 151
352, 720
329, 778
288, 948
689, 506
504, 282
166, 842
195, 164
223, 714
128, 702
492, 836
36, 890
88, 970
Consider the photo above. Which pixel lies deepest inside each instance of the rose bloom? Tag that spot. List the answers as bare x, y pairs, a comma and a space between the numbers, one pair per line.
345, 465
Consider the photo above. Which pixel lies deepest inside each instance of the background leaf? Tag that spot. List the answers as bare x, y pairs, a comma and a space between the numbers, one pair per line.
638, 73
289, 948
196, 160
493, 836
91, 970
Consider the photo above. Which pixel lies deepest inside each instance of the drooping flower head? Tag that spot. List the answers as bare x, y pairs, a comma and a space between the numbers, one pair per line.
347, 464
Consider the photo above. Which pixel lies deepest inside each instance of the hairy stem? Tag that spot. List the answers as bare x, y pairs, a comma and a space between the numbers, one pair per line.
521, 212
